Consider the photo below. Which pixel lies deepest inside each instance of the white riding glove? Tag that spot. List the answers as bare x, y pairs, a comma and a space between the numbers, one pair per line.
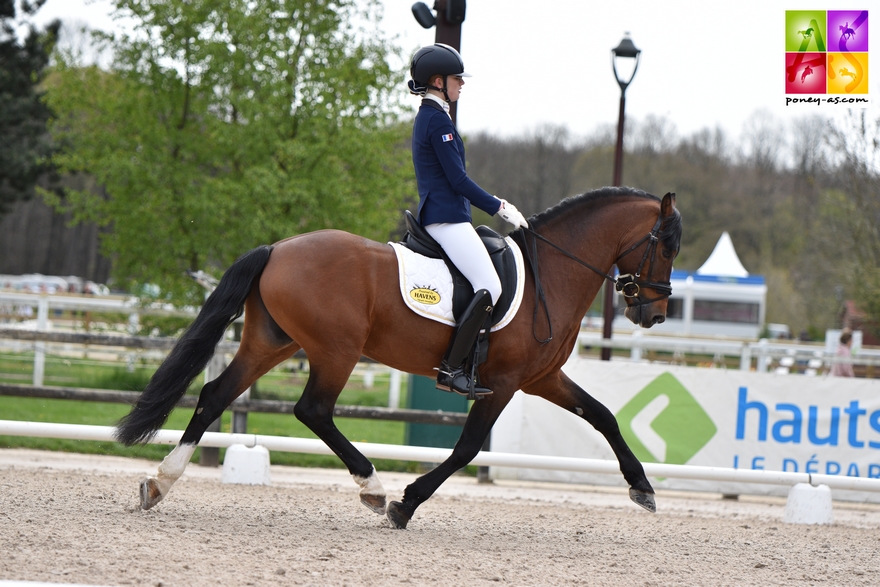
510, 214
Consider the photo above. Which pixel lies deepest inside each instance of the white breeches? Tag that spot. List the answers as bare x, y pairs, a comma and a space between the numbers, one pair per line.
463, 246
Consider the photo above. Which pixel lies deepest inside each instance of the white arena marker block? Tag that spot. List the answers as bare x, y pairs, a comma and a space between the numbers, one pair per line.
246, 466
808, 505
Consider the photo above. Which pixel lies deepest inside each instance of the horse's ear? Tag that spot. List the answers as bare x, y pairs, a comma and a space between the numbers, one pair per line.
667, 206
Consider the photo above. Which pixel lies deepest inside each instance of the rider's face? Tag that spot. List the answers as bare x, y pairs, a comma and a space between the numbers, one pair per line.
454, 84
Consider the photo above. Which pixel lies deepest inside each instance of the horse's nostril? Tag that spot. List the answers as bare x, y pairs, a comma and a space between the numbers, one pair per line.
659, 319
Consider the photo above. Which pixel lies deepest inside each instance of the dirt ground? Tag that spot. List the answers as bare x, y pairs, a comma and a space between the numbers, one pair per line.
75, 519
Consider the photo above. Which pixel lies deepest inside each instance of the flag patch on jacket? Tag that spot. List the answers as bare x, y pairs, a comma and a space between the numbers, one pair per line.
446, 138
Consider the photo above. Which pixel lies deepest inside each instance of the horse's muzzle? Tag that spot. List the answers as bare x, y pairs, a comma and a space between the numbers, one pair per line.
645, 316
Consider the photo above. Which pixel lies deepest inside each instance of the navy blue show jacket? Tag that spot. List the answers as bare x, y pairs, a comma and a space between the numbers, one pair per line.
445, 191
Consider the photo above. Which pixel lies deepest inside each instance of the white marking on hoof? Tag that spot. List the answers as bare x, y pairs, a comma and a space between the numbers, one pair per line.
372, 493
151, 492
154, 489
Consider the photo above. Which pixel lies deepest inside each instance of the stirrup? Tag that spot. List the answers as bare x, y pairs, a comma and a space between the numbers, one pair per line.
457, 381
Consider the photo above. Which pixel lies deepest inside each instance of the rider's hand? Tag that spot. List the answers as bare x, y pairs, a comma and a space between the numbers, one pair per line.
510, 214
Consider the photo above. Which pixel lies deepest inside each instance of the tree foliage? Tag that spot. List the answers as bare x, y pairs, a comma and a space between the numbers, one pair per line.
850, 212
801, 210
533, 171
26, 146
224, 124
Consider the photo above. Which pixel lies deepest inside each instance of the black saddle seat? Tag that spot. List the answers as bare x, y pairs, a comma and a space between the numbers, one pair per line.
419, 241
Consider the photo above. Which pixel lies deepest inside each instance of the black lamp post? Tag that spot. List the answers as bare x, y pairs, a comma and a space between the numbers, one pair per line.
447, 25
623, 53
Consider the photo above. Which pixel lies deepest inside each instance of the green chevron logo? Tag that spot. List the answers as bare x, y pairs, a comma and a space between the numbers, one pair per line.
663, 423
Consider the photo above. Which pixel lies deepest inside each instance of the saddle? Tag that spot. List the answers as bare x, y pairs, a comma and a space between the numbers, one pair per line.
419, 241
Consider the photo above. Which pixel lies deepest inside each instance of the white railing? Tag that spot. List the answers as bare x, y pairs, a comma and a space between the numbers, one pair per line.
438, 455
121, 304
763, 355
760, 355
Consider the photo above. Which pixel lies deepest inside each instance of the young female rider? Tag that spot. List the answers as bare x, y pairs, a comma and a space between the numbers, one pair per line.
445, 197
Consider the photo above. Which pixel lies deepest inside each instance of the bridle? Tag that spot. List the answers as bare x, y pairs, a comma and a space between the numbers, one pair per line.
629, 284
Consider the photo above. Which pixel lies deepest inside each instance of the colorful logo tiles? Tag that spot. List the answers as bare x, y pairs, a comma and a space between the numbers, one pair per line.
826, 52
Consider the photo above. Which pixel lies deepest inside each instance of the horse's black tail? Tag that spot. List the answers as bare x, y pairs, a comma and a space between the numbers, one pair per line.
193, 351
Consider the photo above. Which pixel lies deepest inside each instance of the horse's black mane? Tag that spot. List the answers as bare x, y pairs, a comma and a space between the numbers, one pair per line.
588, 199
670, 235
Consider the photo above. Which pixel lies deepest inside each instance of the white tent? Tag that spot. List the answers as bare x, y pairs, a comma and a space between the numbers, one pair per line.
719, 298
723, 261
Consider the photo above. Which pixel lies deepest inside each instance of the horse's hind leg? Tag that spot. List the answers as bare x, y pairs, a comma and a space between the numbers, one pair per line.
262, 347
565, 393
214, 398
315, 409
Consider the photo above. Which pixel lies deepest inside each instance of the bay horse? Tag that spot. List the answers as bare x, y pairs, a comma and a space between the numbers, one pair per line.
336, 296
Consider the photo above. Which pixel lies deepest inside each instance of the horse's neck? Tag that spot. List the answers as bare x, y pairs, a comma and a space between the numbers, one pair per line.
596, 240
595, 235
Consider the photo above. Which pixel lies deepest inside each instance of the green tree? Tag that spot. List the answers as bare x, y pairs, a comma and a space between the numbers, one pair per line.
849, 216
26, 146
224, 124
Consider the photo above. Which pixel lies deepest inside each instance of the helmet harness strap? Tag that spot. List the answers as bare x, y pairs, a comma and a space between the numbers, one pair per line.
444, 89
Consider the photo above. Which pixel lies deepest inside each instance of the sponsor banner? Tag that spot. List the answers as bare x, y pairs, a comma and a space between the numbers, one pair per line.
706, 417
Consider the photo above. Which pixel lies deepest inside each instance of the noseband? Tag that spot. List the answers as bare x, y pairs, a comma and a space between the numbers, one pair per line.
630, 284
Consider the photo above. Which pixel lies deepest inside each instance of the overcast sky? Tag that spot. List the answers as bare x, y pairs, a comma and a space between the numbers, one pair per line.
537, 62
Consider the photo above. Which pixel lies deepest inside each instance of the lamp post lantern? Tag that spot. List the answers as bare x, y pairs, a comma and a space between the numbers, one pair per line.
625, 53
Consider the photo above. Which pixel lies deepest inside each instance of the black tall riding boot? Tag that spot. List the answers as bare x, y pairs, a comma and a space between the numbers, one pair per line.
452, 376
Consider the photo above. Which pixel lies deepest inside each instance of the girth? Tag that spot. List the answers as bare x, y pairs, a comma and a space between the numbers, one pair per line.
419, 241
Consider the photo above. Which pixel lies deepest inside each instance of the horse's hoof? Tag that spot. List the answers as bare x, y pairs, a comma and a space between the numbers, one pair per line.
396, 515
375, 502
150, 493
644, 499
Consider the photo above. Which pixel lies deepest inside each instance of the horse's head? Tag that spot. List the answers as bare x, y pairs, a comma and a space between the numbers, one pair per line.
646, 266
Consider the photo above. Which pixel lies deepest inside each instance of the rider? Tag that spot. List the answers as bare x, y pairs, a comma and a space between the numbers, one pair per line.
445, 197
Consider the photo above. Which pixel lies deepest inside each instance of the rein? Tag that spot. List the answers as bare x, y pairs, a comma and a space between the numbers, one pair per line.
629, 285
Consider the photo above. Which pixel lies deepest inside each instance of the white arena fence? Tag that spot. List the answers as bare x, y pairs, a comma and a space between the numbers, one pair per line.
437, 455
779, 356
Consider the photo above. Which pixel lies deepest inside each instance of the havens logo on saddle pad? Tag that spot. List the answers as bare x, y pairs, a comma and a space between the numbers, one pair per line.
663, 423
426, 285
425, 295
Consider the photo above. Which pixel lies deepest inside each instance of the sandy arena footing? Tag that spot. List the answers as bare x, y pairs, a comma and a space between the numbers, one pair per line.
70, 518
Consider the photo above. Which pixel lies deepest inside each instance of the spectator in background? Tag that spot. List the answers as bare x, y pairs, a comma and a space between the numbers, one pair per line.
842, 367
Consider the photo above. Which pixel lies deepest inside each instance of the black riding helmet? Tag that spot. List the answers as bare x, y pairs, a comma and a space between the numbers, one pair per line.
437, 59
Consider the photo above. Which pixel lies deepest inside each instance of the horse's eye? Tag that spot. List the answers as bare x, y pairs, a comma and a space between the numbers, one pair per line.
667, 254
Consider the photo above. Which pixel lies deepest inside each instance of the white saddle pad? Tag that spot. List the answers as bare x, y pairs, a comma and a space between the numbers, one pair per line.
426, 285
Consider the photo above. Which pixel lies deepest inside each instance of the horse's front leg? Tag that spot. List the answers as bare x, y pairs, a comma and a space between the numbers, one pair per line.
565, 393
479, 421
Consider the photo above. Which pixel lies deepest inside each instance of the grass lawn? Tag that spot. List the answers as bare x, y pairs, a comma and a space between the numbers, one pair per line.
278, 384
